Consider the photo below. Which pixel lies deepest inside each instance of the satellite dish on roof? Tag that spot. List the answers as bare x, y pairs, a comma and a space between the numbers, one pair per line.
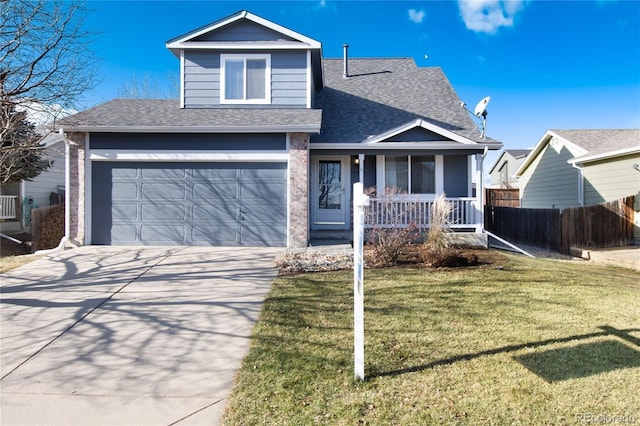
481, 107
480, 111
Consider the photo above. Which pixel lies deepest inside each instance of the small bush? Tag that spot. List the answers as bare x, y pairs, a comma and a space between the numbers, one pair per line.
440, 212
389, 233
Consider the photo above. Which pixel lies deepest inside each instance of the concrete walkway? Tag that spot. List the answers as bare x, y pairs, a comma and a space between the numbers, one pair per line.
124, 336
627, 257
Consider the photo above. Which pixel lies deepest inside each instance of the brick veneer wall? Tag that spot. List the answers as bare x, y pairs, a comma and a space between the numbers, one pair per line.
298, 190
77, 183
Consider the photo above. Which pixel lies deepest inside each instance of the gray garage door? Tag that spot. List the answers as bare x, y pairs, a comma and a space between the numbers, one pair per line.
189, 204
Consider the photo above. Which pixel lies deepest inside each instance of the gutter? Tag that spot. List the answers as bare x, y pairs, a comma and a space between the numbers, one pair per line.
303, 128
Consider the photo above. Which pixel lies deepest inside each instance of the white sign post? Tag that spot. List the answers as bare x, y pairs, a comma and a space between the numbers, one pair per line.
360, 201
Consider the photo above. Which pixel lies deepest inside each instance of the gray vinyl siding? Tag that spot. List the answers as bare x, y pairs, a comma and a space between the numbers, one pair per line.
611, 179
456, 175
49, 180
243, 31
193, 141
553, 183
202, 79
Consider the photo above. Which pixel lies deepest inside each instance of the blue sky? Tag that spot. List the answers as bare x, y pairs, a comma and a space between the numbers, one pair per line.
545, 64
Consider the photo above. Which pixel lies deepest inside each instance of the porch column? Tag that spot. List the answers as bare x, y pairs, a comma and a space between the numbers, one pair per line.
298, 190
479, 193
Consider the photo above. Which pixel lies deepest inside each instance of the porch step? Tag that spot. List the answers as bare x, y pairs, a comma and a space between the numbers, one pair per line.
330, 238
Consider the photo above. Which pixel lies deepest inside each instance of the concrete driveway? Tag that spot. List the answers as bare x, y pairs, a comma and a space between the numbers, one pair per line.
128, 335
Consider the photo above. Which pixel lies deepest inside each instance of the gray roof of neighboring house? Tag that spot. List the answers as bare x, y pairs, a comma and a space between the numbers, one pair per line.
515, 153
385, 93
154, 115
601, 141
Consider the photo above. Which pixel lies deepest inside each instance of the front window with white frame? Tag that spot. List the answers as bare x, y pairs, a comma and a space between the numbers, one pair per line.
245, 79
415, 174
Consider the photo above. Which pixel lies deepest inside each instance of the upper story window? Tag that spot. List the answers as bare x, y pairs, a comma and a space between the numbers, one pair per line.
245, 79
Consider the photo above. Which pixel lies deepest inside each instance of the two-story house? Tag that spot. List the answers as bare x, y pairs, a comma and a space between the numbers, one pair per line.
265, 142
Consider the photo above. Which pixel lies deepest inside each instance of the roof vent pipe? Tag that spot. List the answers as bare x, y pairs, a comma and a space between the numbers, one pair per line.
346, 60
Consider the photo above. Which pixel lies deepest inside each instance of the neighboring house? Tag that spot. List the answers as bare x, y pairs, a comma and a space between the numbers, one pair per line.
40, 189
265, 142
503, 171
569, 168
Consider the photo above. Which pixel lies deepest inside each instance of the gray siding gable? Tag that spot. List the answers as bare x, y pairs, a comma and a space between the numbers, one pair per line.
416, 135
243, 30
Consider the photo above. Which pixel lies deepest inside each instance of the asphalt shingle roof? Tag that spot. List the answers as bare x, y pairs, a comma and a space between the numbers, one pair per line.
601, 141
380, 94
384, 93
153, 113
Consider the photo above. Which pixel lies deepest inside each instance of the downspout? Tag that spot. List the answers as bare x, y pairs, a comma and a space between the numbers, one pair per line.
67, 199
67, 188
580, 184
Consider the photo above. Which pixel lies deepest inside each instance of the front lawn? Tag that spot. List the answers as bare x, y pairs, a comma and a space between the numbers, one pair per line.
526, 341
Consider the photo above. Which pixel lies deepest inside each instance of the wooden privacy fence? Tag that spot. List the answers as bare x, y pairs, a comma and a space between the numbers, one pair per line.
607, 224
47, 226
532, 227
502, 197
601, 225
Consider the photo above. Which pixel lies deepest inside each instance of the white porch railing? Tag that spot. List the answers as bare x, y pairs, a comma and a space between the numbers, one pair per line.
401, 212
8, 206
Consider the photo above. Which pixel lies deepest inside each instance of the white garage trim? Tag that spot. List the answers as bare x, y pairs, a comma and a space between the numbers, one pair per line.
190, 156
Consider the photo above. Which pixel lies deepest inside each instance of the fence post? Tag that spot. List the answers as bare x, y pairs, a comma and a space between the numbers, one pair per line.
360, 201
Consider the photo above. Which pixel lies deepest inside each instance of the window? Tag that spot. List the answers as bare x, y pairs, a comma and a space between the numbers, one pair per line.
415, 174
245, 79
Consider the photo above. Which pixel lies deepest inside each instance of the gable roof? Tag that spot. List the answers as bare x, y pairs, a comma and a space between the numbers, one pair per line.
517, 154
384, 94
592, 144
290, 38
166, 116
279, 37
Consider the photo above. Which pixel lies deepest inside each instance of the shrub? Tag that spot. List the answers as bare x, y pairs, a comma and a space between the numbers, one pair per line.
440, 213
391, 229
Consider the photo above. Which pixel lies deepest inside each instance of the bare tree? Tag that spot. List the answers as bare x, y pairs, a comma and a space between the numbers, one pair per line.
148, 87
45, 60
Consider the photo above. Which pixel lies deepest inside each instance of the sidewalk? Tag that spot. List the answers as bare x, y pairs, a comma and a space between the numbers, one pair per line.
626, 257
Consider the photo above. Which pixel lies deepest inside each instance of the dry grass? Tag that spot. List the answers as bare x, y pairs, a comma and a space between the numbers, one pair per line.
532, 342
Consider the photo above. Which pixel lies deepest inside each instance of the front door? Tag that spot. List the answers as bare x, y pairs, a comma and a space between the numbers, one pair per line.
330, 193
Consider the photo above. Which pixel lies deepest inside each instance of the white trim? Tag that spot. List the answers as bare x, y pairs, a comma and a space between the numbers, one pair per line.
345, 178
239, 45
244, 57
422, 124
182, 64
309, 76
187, 155
439, 174
278, 128
179, 41
605, 155
433, 146
470, 175
537, 149
88, 195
